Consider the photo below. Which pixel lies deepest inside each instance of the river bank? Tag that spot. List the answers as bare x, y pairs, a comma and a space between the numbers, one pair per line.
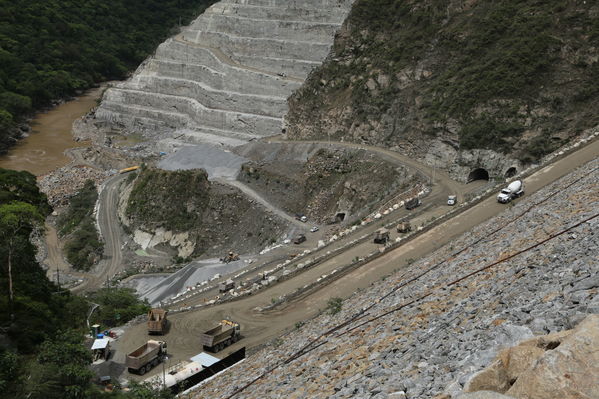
43, 150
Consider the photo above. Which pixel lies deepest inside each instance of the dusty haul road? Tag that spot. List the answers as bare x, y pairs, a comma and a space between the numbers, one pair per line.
110, 230
260, 327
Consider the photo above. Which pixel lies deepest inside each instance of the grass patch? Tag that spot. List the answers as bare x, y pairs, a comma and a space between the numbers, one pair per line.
334, 305
83, 247
173, 200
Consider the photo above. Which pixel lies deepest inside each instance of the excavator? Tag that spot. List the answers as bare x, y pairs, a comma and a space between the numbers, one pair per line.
231, 257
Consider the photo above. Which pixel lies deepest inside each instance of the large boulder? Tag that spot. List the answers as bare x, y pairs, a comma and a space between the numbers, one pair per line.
562, 365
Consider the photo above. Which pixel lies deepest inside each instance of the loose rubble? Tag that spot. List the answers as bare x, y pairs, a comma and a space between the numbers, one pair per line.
61, 184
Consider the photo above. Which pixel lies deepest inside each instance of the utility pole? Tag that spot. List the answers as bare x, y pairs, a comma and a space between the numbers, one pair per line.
58, 278
164, 372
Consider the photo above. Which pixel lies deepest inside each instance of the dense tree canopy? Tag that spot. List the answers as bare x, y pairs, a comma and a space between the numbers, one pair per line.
50, 49
42, 355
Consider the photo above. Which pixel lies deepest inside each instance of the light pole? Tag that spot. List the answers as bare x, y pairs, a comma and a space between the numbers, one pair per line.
433, 176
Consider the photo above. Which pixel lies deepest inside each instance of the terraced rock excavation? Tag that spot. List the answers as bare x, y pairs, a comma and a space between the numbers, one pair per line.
227, 76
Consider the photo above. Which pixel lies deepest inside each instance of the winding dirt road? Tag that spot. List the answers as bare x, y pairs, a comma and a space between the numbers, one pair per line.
111, 234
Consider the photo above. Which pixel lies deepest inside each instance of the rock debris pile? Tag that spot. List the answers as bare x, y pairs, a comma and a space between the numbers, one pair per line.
435, 345
61, 184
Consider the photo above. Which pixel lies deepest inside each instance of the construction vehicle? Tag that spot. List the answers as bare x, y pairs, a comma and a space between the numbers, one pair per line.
404, 227
144, 358
452, 200
157, 321
226, 333
231, 257
381, 236
301, 217
130, 169
514, 190
413, 203
226, 285
299, 239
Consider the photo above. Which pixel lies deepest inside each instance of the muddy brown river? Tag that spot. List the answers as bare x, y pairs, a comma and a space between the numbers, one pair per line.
43, 150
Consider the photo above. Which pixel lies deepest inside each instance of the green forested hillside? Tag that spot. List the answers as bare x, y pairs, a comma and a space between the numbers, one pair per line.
49, 49
515, 76
42, 327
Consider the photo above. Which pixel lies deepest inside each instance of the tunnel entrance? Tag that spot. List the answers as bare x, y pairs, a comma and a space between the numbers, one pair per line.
511, 172
339, 217
478, 174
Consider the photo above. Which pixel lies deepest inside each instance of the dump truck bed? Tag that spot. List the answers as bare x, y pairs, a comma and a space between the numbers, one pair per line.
142, 355
217, 334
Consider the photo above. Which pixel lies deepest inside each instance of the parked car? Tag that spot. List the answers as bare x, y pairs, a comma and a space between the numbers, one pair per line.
314, 229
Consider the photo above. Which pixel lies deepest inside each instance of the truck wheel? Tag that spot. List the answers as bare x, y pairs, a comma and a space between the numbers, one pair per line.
142, 370
235, 338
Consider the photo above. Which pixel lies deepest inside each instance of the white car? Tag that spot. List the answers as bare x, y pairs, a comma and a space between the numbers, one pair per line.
314, 229
452, 200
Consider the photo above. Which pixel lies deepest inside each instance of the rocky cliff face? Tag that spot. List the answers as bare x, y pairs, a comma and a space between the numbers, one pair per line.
425, 338
331, 182
227, 76
463, 84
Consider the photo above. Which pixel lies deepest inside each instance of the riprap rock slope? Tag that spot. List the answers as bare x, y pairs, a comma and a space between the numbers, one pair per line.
425, 334
227, 76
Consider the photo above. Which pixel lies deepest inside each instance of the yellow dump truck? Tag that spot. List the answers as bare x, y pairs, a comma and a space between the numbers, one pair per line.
130, 169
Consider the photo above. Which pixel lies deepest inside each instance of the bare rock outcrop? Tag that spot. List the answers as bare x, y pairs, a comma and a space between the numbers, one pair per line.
561, 365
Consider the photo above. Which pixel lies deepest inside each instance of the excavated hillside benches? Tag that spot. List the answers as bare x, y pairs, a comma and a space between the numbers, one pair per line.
263, 28
211, 98
295, 58
294, 4
269, 47
196, 113
228, 74
224, 76
298, 11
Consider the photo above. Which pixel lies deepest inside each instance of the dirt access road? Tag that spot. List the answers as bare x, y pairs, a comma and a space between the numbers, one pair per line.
260, 327
110, 229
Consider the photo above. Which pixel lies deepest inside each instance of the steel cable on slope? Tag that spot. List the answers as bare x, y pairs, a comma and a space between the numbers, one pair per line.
310, 346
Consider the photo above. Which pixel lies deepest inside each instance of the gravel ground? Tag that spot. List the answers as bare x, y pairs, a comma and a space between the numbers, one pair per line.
435, 344
216, 161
